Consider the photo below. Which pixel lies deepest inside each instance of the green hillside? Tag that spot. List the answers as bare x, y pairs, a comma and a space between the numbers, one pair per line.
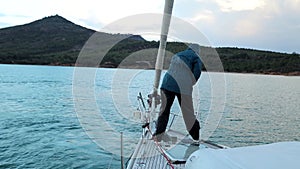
56, 41
256, 61
51, 40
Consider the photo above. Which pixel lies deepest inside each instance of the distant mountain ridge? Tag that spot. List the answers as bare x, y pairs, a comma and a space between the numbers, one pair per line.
31, 43
54, 40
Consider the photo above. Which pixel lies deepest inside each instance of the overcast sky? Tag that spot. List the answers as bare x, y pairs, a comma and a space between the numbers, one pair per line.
257, 24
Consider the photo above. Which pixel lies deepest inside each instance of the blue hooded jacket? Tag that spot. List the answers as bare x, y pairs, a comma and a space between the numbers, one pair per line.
184, 71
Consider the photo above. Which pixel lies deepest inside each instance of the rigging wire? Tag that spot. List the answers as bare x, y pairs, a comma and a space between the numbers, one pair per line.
160, 148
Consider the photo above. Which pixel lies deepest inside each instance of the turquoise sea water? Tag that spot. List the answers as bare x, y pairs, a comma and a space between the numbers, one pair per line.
39, 125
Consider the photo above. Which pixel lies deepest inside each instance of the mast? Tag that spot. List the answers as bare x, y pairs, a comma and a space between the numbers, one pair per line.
161, 51
163, 41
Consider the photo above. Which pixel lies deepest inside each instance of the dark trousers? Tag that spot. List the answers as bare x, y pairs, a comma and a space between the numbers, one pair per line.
186, 105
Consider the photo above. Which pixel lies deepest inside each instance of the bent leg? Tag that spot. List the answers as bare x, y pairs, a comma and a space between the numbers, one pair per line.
191, 122
167, 99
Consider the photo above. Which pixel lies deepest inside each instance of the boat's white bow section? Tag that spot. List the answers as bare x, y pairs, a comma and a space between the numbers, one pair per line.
283, 155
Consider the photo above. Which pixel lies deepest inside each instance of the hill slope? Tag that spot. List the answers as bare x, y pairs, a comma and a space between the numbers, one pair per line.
256, 61
46, 41
49, 41
56, 41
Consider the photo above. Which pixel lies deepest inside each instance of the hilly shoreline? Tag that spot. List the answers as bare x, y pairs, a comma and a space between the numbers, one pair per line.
56, 41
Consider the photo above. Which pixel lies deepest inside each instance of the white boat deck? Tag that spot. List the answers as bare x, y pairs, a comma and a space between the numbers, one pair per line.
148, 154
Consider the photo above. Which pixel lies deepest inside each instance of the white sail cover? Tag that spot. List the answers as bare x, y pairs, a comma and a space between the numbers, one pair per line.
283, 155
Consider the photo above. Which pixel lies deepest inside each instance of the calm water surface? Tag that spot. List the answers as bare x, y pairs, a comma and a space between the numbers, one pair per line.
39, 127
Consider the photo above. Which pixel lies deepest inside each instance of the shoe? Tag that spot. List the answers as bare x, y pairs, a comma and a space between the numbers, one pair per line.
196, 142
161, 137
157, 137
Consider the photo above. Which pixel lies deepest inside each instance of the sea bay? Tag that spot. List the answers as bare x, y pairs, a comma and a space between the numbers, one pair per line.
40, 126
